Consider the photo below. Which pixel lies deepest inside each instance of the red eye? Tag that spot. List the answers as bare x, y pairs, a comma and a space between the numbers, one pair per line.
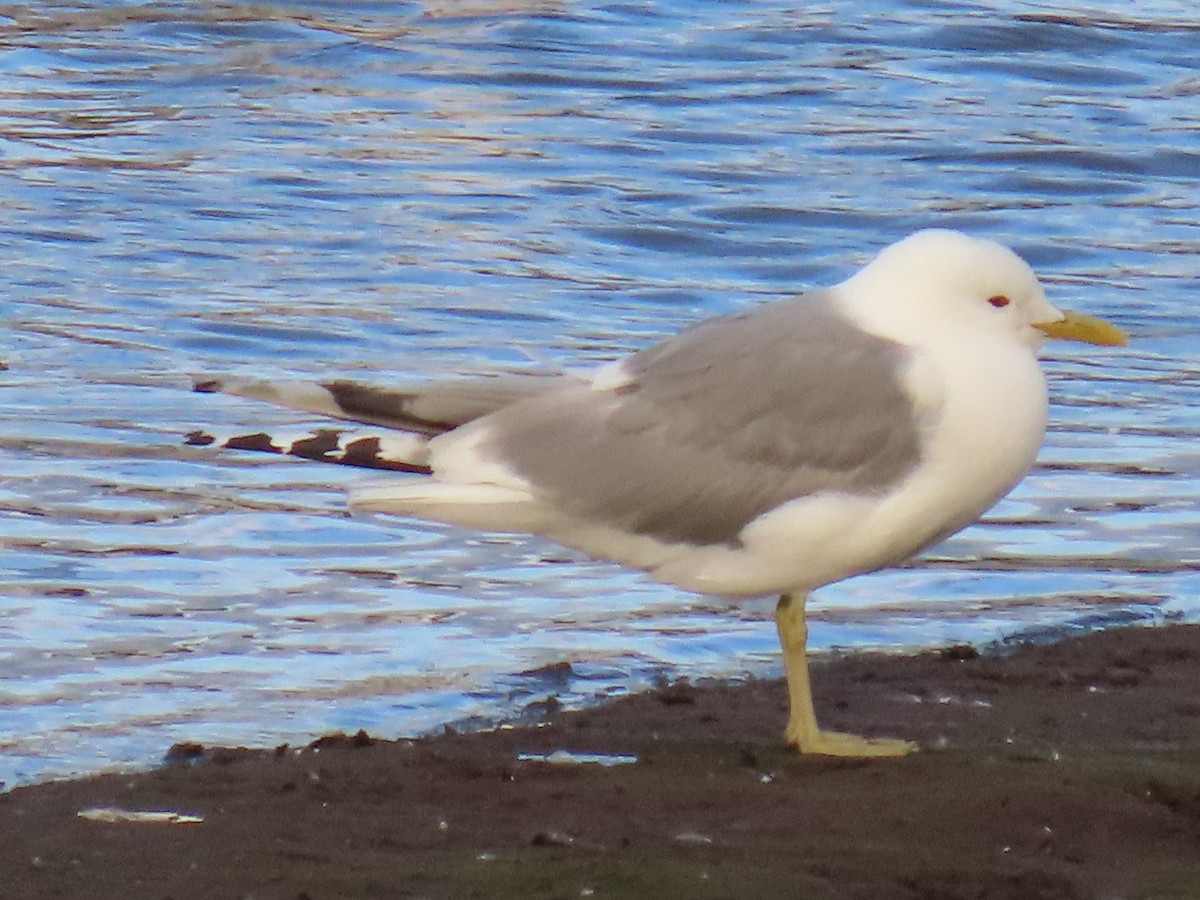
999, 301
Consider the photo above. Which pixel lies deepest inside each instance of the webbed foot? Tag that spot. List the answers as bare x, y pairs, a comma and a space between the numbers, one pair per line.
839, 743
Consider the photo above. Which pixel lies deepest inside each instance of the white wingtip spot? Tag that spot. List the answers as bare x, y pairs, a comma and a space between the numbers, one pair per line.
404, 448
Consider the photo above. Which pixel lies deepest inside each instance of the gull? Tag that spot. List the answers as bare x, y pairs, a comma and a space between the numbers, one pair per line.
768, 452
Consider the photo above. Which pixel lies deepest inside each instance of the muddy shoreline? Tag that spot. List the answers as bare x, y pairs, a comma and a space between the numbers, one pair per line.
1069, 770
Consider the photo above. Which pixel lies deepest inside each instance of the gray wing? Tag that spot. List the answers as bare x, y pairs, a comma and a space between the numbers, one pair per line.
427, 409
721, 424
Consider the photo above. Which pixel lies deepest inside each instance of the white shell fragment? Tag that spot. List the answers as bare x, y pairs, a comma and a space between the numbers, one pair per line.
568, 758
113, 815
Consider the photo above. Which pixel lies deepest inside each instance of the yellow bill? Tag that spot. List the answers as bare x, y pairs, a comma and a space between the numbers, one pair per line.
1078, 327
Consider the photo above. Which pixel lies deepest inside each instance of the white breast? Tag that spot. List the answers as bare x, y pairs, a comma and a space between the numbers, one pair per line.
981, 440
983, 409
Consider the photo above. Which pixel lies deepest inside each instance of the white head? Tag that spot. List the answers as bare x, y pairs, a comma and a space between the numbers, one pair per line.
939, 280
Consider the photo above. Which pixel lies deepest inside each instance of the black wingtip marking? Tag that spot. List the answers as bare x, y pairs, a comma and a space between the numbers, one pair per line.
364, 453
318, 447
260, 442
206, 386
325, 446
368, 404
198, 439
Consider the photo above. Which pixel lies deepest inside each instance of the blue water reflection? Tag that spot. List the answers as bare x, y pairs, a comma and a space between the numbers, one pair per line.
391, 191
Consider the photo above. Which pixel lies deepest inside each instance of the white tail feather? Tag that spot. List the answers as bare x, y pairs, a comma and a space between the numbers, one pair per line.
486, 507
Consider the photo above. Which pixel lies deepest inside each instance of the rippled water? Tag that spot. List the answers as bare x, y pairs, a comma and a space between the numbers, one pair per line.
391, 190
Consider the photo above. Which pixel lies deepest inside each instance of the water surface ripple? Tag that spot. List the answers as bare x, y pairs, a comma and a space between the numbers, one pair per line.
393, 190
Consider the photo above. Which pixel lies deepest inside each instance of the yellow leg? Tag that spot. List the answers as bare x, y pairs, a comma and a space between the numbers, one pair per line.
802, 731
